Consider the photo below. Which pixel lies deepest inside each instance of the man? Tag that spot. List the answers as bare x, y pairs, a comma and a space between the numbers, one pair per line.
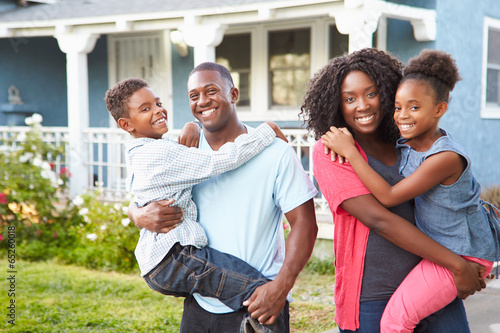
241, 211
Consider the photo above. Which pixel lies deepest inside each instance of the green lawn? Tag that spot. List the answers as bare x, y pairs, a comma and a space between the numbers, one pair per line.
56, 298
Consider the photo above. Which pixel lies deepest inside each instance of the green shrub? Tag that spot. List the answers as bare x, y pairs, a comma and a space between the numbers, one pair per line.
106, 238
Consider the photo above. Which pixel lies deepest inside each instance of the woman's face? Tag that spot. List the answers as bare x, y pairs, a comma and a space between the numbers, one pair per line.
360, 103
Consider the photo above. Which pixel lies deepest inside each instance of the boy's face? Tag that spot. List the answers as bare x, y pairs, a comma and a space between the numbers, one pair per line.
147, 116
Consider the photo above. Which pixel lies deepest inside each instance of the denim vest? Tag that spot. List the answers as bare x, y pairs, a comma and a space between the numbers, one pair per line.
454, 215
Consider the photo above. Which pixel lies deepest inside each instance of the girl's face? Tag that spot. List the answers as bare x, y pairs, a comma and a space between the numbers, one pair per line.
360, 103
416, 113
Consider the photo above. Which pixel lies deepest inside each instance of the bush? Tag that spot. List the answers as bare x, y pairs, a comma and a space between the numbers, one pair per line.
84, 231
106, 238
491, 194
28, 183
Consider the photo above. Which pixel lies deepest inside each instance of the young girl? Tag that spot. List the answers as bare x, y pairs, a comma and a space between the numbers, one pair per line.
439, 177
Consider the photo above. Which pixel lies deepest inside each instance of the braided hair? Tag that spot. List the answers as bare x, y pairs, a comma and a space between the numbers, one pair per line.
322, 102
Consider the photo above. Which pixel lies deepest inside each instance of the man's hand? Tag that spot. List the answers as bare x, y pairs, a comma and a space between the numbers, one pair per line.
463, 284
266, 303
157, 216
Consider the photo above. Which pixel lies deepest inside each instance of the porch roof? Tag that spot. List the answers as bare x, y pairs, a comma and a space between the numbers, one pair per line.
127, 15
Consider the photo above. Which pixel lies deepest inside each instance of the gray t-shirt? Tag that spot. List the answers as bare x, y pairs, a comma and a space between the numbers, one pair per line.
386, 265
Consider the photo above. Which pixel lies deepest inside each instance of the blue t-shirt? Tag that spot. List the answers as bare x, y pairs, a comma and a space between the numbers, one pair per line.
241, 210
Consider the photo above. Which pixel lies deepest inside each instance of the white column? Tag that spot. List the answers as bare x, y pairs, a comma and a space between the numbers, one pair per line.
359, 25
76, 47
203, 38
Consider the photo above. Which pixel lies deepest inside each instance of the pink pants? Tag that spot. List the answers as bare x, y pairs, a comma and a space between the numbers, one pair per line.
427, 289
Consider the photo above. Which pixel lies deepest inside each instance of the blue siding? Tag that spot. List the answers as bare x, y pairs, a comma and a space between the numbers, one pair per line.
98, 84
460, 33
37, 67
401, 41
181, 67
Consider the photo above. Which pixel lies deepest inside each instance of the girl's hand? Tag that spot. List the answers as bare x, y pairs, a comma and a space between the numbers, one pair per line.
340, 143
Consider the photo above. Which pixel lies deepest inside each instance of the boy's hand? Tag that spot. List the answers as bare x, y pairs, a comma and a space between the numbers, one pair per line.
190, 135
279, 133
157, 216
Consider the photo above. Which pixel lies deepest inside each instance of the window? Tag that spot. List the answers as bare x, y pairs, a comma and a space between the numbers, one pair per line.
338, 43
289, 66
491, 72
493, 68
234, 53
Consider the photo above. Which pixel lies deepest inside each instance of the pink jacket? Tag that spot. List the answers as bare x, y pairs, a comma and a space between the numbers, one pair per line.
339, 182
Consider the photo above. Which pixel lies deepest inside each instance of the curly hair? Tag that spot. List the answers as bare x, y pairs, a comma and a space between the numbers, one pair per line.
118, 96
322, 102
435, 67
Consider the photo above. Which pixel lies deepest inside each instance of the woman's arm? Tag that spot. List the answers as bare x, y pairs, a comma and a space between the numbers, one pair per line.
408, 237
442, 168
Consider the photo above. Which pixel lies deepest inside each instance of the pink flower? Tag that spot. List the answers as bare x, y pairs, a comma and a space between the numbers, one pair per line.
64, 172
1, 237
3, 198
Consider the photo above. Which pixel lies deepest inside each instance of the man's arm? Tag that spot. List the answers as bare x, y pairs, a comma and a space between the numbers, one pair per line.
268, 300
157, 216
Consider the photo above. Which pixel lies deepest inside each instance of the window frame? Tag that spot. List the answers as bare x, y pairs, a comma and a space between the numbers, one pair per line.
488, 111
260, 102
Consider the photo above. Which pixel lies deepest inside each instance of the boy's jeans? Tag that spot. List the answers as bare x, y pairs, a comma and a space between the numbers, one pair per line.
186, 270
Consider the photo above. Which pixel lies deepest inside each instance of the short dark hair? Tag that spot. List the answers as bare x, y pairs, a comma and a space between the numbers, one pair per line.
437, 68
322, 108
213, 66
117, 97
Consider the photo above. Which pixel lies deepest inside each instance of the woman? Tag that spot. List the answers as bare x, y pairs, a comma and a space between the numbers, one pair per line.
357, 91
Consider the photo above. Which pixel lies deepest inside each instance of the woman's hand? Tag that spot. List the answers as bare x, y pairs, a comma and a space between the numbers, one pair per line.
189, 135
158, 216
339, 142
469, 279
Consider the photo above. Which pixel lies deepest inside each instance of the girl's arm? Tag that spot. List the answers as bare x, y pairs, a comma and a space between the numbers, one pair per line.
442, 168
408, 237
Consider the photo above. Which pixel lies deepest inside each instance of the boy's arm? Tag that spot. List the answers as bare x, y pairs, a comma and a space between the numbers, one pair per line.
188, 166
434, 170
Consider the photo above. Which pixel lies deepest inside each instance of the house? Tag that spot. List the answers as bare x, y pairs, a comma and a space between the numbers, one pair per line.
62, 55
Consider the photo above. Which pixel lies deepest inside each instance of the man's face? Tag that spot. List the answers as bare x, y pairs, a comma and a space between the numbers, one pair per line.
212, 99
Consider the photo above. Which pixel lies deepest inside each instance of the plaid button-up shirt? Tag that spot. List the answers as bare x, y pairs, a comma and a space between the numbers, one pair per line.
163, 169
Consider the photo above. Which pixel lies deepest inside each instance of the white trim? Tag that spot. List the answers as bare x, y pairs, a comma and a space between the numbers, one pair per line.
162, 88
260, 100
487, 111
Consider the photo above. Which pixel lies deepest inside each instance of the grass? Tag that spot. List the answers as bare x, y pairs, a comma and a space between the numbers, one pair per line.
50, 297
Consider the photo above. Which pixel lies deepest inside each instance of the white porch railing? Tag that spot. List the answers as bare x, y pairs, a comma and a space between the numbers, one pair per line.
106, 165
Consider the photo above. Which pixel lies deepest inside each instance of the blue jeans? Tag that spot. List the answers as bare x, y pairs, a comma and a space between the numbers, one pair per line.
186, 270
451, 319
196, 319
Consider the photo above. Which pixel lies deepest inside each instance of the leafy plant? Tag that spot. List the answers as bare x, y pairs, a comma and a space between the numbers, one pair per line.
28, 183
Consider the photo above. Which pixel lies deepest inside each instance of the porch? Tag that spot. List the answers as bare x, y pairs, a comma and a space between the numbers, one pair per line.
101, 155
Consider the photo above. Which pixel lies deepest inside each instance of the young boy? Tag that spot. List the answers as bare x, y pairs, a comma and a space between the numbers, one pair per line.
178, 263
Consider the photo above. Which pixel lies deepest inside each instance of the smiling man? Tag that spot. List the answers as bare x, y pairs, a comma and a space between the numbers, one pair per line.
241, 211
